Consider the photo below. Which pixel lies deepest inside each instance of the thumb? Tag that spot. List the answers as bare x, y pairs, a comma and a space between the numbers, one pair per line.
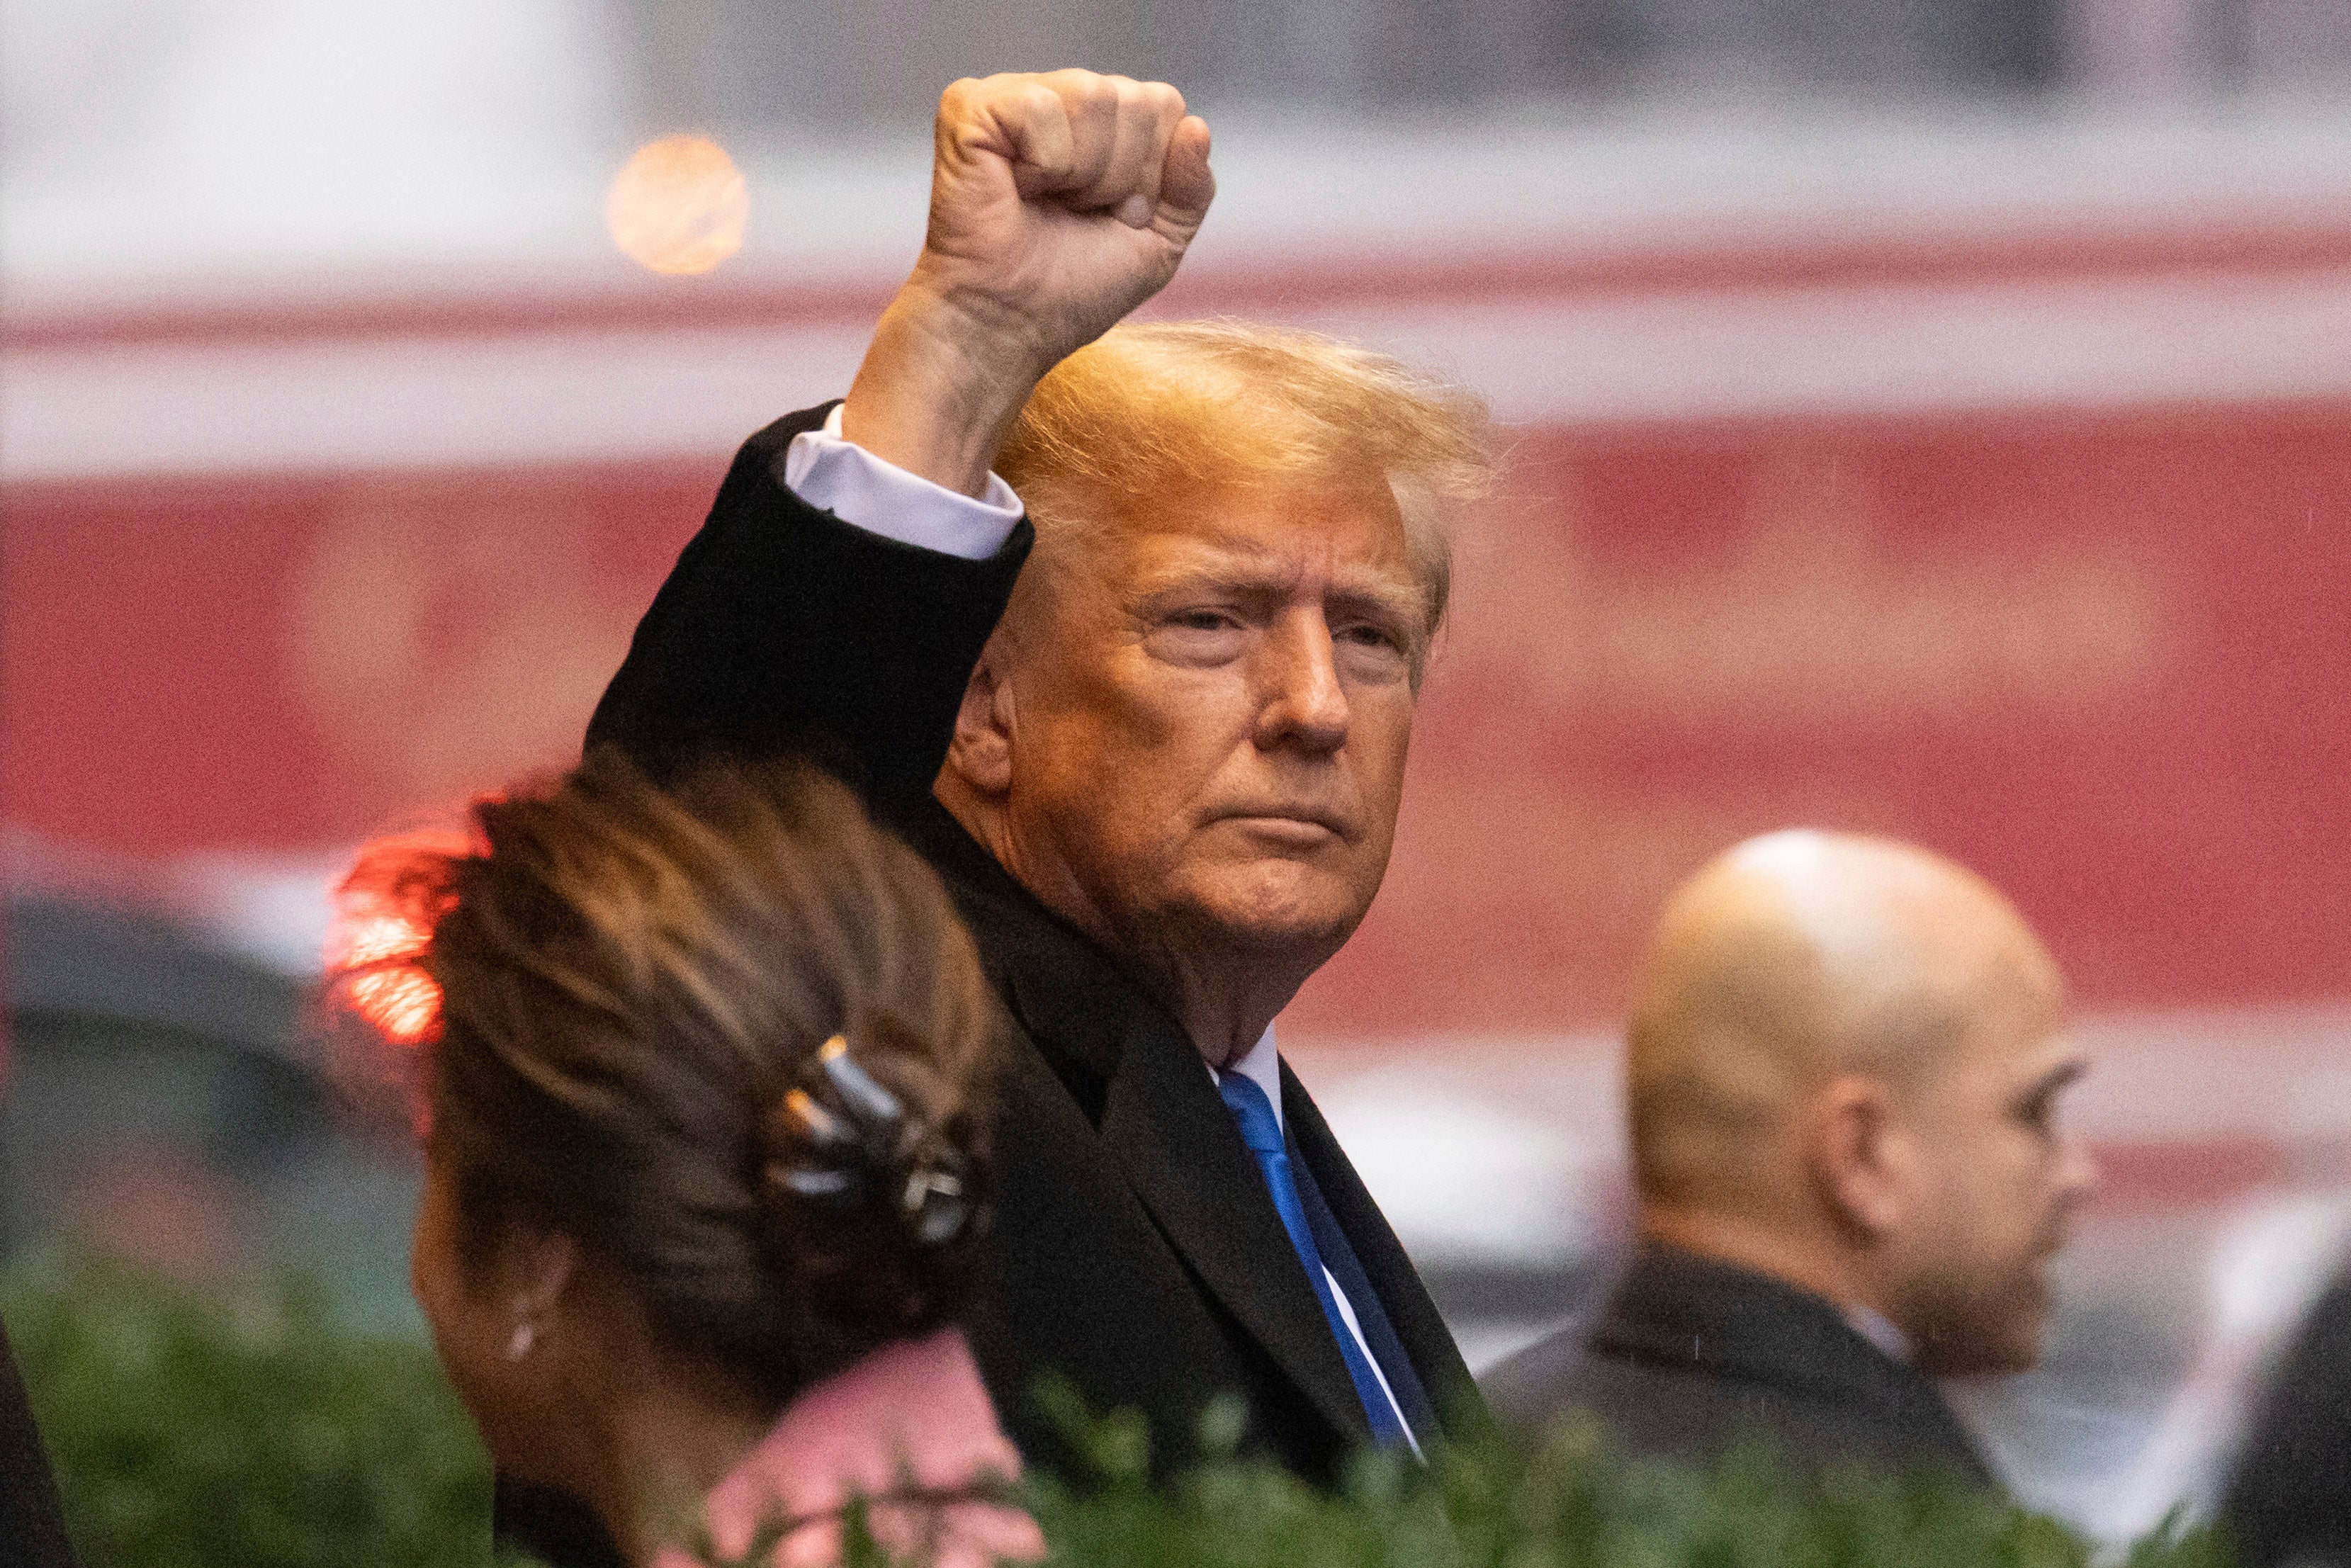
1186, 184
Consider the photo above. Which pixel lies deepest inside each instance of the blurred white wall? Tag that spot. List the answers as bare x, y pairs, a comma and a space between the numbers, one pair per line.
161, 148
195, 142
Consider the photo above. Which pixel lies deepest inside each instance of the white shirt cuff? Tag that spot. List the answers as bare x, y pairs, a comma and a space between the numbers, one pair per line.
844, 478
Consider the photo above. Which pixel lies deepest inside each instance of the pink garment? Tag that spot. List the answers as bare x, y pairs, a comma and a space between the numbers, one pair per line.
913, 1413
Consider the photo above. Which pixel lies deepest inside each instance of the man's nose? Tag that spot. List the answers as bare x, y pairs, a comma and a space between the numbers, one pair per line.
1302, 701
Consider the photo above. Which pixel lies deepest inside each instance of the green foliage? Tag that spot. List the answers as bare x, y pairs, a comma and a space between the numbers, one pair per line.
1560, 1503
242, 1431
1500, 1503
193, 1431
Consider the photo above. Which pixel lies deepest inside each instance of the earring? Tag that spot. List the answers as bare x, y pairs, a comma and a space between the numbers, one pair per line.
525, 1336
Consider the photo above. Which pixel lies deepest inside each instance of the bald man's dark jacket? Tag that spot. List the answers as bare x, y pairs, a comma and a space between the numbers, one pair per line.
1690, 1357
1137, 1252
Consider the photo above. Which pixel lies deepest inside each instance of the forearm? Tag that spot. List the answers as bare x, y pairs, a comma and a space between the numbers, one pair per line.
940, 386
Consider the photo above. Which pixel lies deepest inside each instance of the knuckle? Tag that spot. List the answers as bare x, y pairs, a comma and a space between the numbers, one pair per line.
1038, 101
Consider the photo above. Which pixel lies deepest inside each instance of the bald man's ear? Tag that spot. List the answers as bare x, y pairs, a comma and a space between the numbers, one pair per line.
1858, 1156
980, 755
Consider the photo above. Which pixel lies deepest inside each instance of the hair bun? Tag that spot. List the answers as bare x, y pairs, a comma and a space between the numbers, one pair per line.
870, 1194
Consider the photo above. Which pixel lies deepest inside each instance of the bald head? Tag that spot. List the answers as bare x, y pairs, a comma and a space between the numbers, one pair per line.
1795, 958
1844, 1060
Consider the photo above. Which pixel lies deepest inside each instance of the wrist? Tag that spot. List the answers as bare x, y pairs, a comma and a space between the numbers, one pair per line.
940, 385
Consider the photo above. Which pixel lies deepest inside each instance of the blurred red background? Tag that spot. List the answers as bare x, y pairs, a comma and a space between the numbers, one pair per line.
2101, 653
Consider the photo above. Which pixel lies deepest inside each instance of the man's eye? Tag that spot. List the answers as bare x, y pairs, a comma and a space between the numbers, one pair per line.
1199, 637
1368, 636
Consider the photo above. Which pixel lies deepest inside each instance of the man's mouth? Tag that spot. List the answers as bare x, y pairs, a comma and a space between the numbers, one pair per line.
1298, 826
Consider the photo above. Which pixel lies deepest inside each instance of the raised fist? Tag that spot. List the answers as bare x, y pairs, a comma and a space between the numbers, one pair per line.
1059, 203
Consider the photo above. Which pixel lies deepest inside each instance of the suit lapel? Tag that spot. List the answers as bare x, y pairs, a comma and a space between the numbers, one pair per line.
1184, 1159
1128, 1064
1417, 1323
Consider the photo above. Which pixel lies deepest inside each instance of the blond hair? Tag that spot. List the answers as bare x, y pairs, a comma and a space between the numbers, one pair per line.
1195, 410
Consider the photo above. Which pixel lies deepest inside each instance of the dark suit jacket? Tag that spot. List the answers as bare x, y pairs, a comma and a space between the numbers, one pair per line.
1137, 1251
2289, 1498
32, 1526
1690, 1356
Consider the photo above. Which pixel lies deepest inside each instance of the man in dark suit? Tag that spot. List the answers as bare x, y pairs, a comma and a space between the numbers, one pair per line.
1842, 1069
1170, 775
2288, 1499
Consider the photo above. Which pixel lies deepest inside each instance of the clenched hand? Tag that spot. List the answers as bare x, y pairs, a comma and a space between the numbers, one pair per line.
1059, 203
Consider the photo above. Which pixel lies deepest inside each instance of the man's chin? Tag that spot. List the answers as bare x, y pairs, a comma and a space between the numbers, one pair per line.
1280, 906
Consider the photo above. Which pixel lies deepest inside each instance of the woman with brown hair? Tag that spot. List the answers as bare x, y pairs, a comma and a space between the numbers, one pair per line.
703, 1074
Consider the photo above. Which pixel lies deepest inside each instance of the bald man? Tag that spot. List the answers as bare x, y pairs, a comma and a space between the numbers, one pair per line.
1844, 1065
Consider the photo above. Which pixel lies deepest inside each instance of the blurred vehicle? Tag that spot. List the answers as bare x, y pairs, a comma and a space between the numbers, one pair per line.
163, 1105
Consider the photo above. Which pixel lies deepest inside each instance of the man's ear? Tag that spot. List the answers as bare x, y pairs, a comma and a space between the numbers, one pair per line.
1858, 1157
980, 755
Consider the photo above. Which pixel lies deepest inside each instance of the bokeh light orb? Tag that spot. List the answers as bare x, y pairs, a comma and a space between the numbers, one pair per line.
679, 206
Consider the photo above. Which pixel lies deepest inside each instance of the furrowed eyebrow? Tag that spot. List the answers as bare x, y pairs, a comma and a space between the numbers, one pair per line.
1385, 596
1379, 595
1176, 583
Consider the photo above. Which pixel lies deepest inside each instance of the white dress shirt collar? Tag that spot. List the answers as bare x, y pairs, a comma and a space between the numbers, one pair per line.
1879, 1330
1262, 1065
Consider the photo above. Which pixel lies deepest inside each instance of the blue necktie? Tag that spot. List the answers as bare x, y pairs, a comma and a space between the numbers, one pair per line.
1263, 1133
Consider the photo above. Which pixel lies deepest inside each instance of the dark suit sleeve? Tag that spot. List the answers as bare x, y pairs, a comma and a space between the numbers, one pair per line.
784, 629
